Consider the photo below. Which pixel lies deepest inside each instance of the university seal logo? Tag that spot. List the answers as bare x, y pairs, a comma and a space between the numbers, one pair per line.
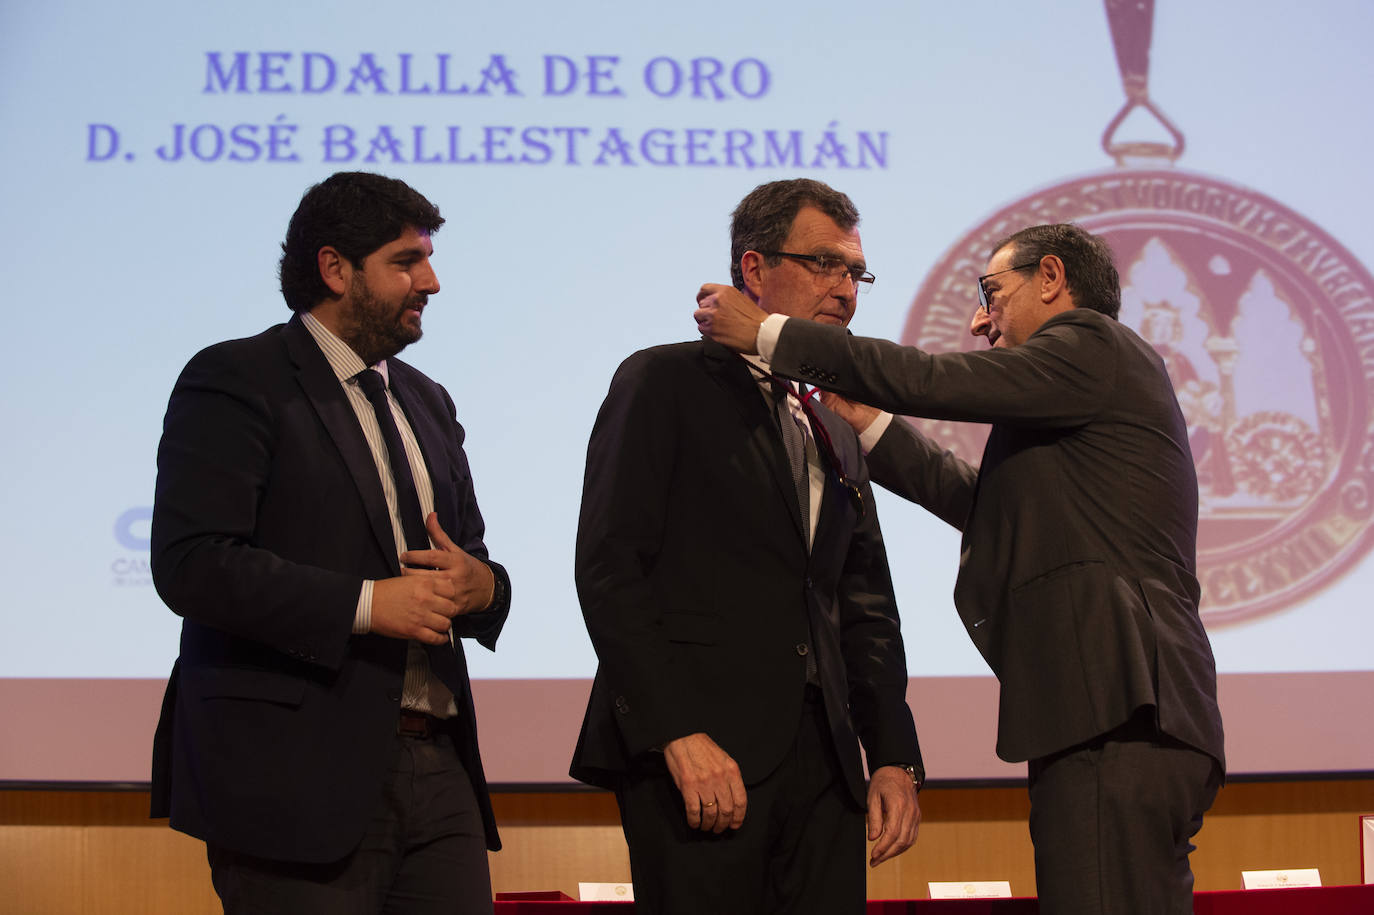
1266, 325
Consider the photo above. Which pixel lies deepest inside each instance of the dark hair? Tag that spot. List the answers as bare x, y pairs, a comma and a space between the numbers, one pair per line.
763, 219
354, 212
1089, 273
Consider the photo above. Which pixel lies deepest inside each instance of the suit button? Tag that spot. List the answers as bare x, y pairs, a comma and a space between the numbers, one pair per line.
621, 705
394, 695
807, 581
803, 649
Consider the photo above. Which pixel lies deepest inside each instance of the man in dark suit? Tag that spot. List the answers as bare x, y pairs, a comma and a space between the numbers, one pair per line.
733, 579
315, 527
1077, 578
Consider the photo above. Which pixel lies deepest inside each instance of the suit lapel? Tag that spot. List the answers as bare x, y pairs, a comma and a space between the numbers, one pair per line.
427, 434
446, 661
833, 496
732, 373
321, 386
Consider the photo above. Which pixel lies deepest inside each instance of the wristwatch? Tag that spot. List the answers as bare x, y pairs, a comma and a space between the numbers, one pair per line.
911, 770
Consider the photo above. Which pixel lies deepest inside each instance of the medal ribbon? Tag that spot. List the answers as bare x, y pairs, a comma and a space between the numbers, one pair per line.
1132, 23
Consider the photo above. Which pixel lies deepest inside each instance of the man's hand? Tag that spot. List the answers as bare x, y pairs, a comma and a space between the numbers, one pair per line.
858, 415
729, 317
893, 814
712, 790
471, 579
413, 608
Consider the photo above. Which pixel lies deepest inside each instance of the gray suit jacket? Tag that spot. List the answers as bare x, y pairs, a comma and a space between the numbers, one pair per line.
1077, 578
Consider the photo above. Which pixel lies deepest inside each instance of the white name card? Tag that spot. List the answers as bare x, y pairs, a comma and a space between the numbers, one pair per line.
1273, 880
971, 889
606, 892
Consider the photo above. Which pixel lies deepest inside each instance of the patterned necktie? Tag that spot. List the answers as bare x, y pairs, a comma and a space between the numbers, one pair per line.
794, 441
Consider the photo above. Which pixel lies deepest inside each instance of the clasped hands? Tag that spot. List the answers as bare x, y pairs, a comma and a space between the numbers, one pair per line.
714, 798
434, 586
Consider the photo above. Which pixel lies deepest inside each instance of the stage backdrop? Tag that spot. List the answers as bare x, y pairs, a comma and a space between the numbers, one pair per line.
587, 157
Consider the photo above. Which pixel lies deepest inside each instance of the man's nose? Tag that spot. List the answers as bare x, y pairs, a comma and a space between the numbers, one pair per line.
981, 325
426, 280
845, 288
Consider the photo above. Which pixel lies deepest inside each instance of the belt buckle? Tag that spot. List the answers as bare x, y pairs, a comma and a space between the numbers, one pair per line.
414, 724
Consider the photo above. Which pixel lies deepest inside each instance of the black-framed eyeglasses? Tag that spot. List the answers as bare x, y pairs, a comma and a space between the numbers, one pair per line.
830, 267
983, 291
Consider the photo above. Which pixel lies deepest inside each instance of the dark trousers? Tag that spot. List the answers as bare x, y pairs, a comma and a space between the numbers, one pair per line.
1112, 821
800, 850
423, 852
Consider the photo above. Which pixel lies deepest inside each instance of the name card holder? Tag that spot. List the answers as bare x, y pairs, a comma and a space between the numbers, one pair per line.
606, 892
970, 889
1274, 880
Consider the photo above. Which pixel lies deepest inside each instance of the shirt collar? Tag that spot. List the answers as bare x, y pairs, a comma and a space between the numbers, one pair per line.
345, 363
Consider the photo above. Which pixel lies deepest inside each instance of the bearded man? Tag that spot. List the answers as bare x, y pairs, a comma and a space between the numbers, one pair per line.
316, 529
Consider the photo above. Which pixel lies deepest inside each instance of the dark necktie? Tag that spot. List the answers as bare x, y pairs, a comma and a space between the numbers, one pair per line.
441, 658
407, 498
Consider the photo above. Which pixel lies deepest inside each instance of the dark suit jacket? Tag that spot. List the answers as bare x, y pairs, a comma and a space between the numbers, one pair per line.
1077, 578
278, 725
697, 588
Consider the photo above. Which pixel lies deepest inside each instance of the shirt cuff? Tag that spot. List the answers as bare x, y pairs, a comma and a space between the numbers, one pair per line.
868, 439
500, 591
362, 616
767, 340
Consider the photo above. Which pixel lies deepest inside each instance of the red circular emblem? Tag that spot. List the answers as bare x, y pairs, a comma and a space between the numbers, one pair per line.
1266, 324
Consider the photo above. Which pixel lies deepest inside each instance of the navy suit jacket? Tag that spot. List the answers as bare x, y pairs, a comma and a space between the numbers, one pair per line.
278, 725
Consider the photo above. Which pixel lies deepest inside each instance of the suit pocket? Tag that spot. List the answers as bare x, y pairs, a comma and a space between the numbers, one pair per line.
1043, 579
241, 683
693, 628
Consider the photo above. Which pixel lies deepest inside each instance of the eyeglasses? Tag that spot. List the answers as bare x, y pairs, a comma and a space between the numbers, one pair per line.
830, 267
982, 290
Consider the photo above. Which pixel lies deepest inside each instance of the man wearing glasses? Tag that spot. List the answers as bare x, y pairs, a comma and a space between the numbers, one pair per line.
1077, 577
733, 579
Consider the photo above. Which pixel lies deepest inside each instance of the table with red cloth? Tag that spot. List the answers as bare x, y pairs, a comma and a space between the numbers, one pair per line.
1324, 900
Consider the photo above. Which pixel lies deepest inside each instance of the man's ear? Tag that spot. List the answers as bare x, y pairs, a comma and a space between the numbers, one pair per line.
335, 269
1053, 283
751, 266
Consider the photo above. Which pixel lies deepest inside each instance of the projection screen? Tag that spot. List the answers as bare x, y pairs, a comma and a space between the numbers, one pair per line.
587, 157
